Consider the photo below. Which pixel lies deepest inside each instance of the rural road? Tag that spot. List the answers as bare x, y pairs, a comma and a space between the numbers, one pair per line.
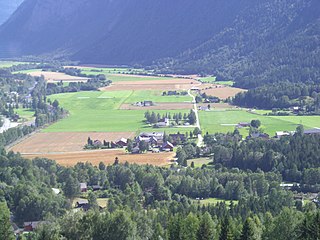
195, 109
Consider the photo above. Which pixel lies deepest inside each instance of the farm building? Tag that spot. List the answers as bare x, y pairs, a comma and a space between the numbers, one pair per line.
147, 103
167, 146
31, 226
81, 203
312, 131
163, 123
123, 142
83, 187
281, 134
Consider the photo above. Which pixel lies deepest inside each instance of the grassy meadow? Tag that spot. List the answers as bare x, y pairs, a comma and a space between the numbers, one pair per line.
99, 111
213, 80
6, 64
224, 121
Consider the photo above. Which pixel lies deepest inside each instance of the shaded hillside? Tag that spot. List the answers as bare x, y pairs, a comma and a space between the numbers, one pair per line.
274, 41
251, 42
122, 31
7, 7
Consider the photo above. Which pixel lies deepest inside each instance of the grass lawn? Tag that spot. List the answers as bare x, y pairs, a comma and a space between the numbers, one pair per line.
155, 96
98, 111
213, 80
215, 201
198, 162
123, 78
26, 114
221, 121
6, 64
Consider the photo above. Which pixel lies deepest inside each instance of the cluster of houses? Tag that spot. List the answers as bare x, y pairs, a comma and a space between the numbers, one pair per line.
157, 143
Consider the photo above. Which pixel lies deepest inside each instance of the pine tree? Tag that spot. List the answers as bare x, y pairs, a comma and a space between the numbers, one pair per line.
206, 228
6, 231
248, 230
225, 233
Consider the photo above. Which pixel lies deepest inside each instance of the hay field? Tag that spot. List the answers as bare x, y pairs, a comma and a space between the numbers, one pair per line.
107, 157
64, 141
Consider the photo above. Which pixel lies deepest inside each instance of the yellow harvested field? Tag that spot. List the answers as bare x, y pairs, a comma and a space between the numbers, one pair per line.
161, 85
220, 91
57, 77
107, 157
64, 142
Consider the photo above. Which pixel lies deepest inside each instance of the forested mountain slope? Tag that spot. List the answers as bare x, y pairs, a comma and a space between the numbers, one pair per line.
248, 41
275, 40
7, 7
114, 32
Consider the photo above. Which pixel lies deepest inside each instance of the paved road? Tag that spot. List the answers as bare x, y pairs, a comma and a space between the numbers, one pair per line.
195, 109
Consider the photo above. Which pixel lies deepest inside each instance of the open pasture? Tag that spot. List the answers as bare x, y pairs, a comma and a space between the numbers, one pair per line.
159, 85
220, 91
214, 80
99, 111
57, 77
107, 157
7, 64
64, 141
156, 96
159, 106
225, 121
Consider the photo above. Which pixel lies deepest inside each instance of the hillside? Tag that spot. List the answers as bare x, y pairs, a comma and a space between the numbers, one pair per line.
114, 32
248, 41
274, 41
7, 7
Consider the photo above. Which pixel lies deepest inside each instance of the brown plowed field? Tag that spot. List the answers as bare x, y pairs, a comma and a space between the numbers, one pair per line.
107, 157
57, 77
161, 85
159, 106
64, 142
220, 91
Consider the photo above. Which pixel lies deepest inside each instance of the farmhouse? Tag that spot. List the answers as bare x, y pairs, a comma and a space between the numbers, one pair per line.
81, 202
123, 142
167, 146
31, 226
157, 135
147, 103
163, 123
83, 187
312, 131
281, 134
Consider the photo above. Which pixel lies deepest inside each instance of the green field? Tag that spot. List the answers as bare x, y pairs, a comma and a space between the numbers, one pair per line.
213, 80
98, 111
198, 162
25, 114
155, 96
215, 121
6, 64
27, 71
215, 201
123, 78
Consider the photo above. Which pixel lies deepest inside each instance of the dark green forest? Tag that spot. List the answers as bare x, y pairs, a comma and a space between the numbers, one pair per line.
147, 202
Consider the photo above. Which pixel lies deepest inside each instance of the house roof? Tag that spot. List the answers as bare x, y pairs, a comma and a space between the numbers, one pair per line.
83, 185
56, 190
124, 140
312, 131
167, 143
82, 201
